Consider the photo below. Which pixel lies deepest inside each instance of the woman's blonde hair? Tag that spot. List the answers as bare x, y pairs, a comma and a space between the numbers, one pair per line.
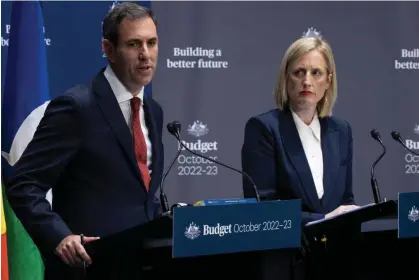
293, 53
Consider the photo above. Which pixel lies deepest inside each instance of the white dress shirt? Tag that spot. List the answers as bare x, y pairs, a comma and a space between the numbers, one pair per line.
124, 99
311, 140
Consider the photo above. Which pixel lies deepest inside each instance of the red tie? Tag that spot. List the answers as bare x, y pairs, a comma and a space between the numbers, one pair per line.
139, 141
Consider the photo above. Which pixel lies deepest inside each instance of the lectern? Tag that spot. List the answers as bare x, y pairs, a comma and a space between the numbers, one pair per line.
335, 244
319, 229
223, 240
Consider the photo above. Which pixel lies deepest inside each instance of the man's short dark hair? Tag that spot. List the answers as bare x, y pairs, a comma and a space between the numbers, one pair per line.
125, 10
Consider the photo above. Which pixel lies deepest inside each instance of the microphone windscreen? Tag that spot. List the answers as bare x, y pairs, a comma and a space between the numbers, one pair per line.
395, 135
174, 127
375, 134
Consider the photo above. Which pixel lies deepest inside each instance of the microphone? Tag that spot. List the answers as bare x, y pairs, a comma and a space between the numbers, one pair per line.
396, 136
375, 190
174, 129
163, 197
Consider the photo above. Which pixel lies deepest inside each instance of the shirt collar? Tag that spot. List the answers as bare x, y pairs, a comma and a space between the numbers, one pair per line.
314, 126
120, 91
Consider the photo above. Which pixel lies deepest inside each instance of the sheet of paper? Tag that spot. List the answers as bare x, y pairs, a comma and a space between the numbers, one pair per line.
324, 219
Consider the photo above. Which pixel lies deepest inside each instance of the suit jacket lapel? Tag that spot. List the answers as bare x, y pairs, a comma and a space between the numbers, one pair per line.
151, 125
295, 151
330, 148
112, 113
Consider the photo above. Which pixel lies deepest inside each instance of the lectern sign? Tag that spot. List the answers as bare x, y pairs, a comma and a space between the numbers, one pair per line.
408, 214
230, 228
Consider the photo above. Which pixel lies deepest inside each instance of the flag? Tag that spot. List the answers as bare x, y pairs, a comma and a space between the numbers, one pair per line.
4, 259
19, 253
25, 98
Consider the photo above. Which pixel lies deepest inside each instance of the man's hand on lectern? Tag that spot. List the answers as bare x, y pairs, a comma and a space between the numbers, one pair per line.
72, 252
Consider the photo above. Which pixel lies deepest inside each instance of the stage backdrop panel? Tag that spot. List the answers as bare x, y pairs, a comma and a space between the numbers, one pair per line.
219, 63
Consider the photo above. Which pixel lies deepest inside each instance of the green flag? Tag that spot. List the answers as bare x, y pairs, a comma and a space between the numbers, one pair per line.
23, 256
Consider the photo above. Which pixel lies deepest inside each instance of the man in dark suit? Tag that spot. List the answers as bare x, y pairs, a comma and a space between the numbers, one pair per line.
300, 151
98, 147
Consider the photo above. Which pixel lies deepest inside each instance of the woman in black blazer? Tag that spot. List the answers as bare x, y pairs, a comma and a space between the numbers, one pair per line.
299, 151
